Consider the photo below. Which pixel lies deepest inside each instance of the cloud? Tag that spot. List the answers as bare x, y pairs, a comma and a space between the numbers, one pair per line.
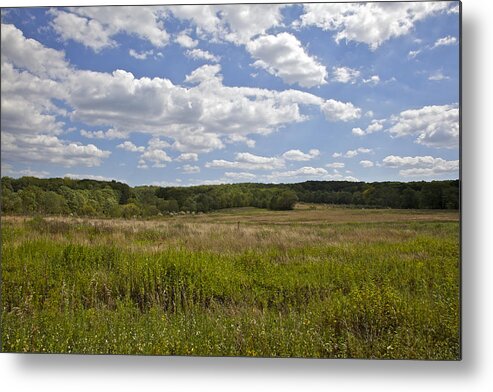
86, 31
184, 40
237, 23
374, 79
197, 141
204, 17
156, 143
306, 171
352, 153
445, 41
140, 55
7, 170
247, 21
421, 165
240, 175
241, 139
199, 54
50, 149
206, 73
36, 137
190, 169
350, 21
318, 173
196, 119
129, 146
15, 121
340, 111
248, 161
375, 126
434, 126
345, 75
437, 76
108, 134
29, 54
142, 164
188, 157
366, 163
94, 27
358, 131
297, 155
152, 153
454, 9
158, 157
336, 165
283, 56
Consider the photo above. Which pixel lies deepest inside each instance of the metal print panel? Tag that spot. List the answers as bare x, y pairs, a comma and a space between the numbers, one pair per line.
264, 180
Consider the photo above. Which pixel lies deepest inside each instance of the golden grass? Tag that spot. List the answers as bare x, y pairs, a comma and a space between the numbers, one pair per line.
329, 282
257, 228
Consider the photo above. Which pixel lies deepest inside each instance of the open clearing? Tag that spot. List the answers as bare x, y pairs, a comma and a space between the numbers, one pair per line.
314, 282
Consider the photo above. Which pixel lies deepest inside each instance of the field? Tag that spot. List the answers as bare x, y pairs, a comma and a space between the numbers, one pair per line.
313, 282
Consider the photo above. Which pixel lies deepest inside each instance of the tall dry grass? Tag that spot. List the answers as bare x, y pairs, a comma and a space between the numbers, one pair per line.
372, 289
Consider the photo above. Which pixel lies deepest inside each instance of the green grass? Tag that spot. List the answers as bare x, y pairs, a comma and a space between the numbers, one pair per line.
178, 287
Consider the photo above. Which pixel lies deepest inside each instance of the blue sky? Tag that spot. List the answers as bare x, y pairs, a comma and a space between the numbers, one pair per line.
188, 95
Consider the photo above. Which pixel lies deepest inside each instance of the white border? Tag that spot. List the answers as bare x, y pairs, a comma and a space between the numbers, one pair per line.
124, 373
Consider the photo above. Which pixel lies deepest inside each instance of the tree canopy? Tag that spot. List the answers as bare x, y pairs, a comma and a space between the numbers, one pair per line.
66, 196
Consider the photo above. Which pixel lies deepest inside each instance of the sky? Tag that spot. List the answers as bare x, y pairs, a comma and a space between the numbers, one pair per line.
209, 94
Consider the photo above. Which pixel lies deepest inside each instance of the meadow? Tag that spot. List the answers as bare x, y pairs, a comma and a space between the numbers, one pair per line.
317, 281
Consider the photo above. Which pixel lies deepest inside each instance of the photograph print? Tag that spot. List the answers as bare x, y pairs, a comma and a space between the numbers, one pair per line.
247, 180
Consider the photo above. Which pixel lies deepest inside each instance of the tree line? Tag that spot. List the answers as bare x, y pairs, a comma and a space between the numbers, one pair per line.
67, 196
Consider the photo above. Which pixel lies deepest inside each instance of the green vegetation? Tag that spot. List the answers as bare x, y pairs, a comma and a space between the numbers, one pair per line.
313, 282
91, 198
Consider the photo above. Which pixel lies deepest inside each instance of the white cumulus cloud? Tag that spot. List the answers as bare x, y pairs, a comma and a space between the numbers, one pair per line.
437, 76
345, 75
421, 165
352, 153
445, 41
195, 118
240, 175
199, 54
140, 55
340, 111
298, 155
108, 134
434, 126
248, 161
374, 126
336, 165
190, 156
184, 40
282, 55
366, 163
236, 23
129, 146
94, 27
369, 23
190, 169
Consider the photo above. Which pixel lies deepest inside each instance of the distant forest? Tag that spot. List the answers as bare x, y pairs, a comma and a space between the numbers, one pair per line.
66, 196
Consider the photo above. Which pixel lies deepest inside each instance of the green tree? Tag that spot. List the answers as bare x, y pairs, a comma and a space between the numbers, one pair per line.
52, 203
130, 210
409, 198
284, 200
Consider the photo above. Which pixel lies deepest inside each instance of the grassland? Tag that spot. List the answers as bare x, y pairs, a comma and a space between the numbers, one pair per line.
313, 282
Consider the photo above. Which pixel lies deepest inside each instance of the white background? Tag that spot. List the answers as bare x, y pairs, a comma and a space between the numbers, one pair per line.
473, 373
